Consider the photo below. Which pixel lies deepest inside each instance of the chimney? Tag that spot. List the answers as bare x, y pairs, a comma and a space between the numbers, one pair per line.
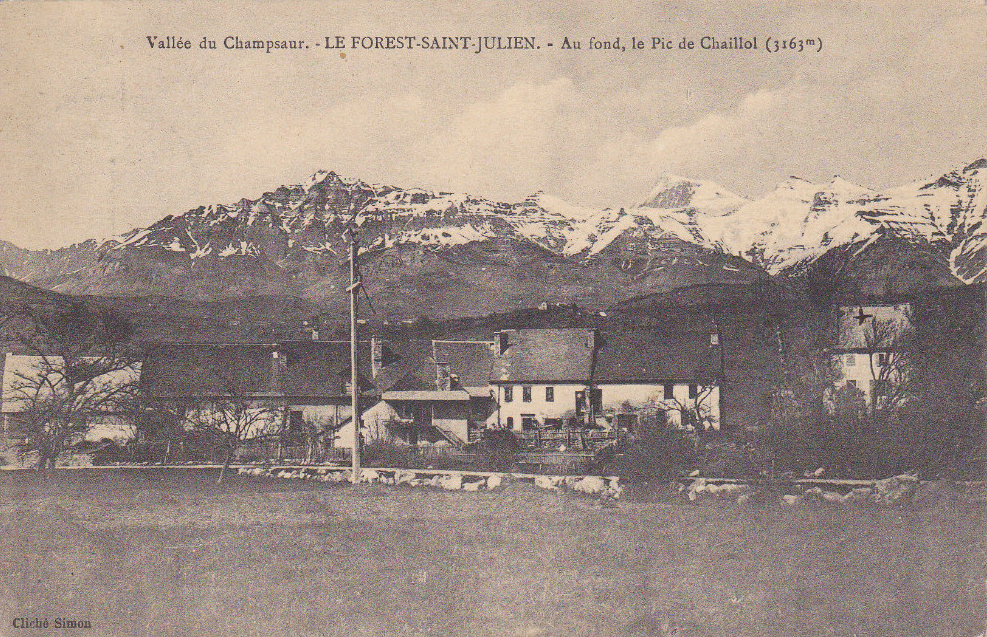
376, 356
443, 379
503, 342
278, 364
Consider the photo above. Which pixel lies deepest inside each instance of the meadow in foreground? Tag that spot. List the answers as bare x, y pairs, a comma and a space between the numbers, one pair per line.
175, 554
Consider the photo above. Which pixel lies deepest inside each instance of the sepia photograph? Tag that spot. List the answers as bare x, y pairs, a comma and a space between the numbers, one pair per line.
484, 318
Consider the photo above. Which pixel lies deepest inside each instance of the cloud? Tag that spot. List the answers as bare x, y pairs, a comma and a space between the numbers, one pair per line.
506, 146
717, 133
630, 163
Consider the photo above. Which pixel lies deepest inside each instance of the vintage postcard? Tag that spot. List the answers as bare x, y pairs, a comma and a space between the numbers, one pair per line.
493, 318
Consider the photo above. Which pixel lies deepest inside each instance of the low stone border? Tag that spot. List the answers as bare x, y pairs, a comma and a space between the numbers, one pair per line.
901, 489
608, 487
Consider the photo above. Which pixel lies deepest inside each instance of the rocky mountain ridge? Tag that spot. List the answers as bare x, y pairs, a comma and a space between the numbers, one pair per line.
438, 253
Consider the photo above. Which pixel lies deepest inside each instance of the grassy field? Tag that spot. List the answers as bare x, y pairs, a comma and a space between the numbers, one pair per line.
174, 554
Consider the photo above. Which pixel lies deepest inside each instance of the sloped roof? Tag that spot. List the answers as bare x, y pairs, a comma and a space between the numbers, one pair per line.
408, 367
452, 395
208, 369
21, 370
322, 368
650, 355
414, 367
873, 327
294, 368
551, 355
471, 361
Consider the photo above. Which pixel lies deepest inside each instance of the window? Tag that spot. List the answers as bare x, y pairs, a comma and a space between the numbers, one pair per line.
549, 394
510, 422
528, 422
508, 393
882, 359
526, 393
669, 391
596, 398
693, 390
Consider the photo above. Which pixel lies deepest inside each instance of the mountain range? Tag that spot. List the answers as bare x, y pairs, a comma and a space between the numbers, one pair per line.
435, 254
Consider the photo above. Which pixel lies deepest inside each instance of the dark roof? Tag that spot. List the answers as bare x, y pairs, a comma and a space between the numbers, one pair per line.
322, 368
193, 369
294, 368
414, 368
533, 355
643, 355
410, 367
471, 361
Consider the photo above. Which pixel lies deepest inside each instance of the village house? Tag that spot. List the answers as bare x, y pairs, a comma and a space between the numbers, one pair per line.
443, 398
301, 387
584, 378
26, 379
644, 369
542, 378
868, 356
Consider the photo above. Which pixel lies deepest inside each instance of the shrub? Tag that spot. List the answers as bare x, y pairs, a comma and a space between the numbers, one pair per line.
496, 451
658, 451
724, 456
389, 454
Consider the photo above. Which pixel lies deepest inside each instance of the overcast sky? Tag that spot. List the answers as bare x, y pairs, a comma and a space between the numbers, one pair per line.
99, 133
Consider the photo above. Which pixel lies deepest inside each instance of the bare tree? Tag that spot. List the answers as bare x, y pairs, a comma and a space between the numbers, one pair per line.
80, 367
658, 449
234, 417
318, 432
886, 345
696, 411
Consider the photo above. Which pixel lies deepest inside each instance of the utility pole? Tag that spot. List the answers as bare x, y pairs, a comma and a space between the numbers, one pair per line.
354, 291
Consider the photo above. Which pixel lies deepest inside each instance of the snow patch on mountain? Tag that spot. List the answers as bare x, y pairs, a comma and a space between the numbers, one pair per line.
678, 193
301, 226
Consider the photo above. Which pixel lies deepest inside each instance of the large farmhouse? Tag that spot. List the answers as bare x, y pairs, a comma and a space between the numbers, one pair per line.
678, 373
542, 378
299, 388
581, 377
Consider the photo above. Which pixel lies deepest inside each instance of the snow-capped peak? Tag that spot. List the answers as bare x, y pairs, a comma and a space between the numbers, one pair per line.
795, 223
673, 192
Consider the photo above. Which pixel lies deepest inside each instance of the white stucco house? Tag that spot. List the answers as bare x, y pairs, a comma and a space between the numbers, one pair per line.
869, 356
576, 377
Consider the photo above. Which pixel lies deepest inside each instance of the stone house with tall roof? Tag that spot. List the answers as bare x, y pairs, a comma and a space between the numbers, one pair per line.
302, 387
603, 378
